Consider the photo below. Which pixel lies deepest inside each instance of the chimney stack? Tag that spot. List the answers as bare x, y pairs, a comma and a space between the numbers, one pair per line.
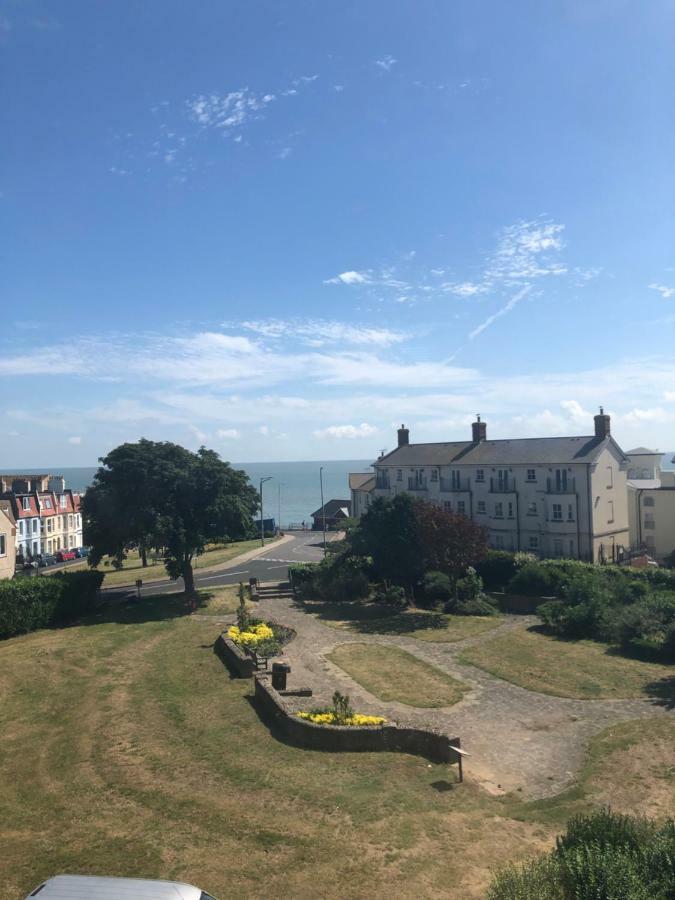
602, 425
403, 436
478, 430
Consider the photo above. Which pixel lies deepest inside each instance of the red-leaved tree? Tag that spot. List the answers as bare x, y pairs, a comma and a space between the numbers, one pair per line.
450, 543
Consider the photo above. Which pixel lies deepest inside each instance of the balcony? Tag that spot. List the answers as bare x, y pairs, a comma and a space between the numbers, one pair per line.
417, 484
564, 486
502, 485
446, 485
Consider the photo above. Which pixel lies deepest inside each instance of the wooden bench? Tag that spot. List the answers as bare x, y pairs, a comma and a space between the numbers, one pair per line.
259, 660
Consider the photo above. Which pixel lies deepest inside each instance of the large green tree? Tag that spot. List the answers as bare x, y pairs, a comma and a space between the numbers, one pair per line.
388, 534
160, 494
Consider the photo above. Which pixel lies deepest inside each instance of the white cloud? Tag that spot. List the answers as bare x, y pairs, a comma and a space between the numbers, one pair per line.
228, 434
75, 439
463, 288
317, 332
346, 431
666, 292
513, 302
230, 110
348, 278
386, 63
338, 88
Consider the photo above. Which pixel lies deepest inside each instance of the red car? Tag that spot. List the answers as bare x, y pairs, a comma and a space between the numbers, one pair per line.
65, 555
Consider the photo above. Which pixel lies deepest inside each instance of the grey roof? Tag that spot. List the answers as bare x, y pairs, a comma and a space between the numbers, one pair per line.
332, 507
360, 481
504, 452
643, 451
644, 483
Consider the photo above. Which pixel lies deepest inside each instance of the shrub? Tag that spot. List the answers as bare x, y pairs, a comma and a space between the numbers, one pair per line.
301, 573
480, 606
470, 587
534, 580
648, 622
436, 588
497, 569
393, 595
602, 855
30, 603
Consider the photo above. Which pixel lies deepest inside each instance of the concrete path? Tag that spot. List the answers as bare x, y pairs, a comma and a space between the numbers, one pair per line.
518, 739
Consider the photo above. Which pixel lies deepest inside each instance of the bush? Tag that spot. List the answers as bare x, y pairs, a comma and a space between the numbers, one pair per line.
602, 856
301, 573
436, 588
648, 623
391, 596
480, 606
497, 569
30, 603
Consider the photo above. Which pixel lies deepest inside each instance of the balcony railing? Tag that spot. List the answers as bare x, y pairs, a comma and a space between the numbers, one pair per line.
502, 485
553, 486
454, 484
417, 484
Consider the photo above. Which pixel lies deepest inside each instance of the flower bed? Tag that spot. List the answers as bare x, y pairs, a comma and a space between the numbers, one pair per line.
252, 635
329, 717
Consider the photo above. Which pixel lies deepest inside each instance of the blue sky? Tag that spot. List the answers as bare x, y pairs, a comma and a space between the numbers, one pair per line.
282, 228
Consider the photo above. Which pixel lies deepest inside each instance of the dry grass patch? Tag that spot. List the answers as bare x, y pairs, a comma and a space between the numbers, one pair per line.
392, 674
423, 624
578, 669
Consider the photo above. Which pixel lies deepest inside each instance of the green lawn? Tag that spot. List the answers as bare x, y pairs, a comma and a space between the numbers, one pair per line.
373, 618
582, 669
128, 750
133, 567
392, 674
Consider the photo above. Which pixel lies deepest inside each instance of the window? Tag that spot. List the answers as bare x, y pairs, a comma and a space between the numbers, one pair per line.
502, 479
648, 501
447, 505
570, 512
610, 477
561, 480
434, 474
534, 542
480, 474
557, 547
532, 508
70, 521
610, 511
531, 474
399, 474
461, 507
557, 512
21, 526
48, 502
480, 509
50, 524
572, 553
455, 482
510, 509
650, 524
62, 501
35, 524
25, 502
499, 510
650, 542
499, 541
3, 546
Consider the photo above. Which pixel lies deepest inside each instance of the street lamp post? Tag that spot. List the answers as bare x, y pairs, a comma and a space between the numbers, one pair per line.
279, 485
262, 518
323, 509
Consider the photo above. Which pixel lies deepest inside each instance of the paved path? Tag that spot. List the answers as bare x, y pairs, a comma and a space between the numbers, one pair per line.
518, 739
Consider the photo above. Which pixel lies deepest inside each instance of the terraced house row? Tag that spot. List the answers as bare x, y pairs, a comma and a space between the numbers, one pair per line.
45, 514
555, 497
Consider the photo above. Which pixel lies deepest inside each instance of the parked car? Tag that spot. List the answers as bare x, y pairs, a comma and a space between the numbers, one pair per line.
81, 552
46, 559
65, 555
79, 887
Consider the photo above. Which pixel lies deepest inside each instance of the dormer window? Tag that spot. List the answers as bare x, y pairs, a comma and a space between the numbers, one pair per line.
25, 503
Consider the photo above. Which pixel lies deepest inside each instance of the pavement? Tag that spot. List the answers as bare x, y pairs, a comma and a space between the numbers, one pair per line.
268, 563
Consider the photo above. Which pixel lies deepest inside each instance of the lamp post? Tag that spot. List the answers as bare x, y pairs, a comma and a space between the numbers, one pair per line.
262, 522
323, 509
279, 485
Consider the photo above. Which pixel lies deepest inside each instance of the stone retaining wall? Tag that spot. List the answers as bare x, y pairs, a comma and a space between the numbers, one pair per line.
432, 745
234, 657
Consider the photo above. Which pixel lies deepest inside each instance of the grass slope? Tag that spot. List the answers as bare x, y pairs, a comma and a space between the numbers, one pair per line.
581, 669
392, 674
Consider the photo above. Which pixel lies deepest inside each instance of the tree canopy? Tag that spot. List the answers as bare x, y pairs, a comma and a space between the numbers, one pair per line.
158, 494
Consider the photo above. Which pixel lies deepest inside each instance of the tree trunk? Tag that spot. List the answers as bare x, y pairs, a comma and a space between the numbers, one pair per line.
143, 553
189, 579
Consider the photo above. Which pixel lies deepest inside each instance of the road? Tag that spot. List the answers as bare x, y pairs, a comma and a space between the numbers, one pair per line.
271, 565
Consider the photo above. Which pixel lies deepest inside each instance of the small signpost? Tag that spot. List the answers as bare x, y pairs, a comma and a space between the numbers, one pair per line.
139, 585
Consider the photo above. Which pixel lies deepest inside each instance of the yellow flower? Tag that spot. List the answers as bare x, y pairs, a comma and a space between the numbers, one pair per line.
251, 636
329, 718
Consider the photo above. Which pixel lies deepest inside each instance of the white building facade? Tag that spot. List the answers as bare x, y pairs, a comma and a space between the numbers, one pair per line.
555, 497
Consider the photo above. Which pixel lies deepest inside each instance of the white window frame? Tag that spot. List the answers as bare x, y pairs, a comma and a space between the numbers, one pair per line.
556, 512
480, 474
531, 475
481, 508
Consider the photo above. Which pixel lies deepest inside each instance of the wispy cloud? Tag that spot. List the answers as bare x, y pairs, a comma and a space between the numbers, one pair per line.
386, 63
230, 110
75, 439
346, 431
228, 434
665, 291
502, 311
318, 332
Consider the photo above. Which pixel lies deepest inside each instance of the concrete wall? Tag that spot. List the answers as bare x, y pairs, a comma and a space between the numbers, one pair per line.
430, 744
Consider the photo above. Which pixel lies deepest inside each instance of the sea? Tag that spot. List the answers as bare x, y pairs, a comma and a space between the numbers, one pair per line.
293, 492
294, 487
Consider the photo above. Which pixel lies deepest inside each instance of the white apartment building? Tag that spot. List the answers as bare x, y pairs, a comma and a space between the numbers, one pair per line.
651, 503
555, 497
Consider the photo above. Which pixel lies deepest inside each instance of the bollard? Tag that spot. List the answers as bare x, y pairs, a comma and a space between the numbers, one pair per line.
279, 674
139, 585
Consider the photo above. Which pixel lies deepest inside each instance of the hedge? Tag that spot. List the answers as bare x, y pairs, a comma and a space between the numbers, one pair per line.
27, 604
